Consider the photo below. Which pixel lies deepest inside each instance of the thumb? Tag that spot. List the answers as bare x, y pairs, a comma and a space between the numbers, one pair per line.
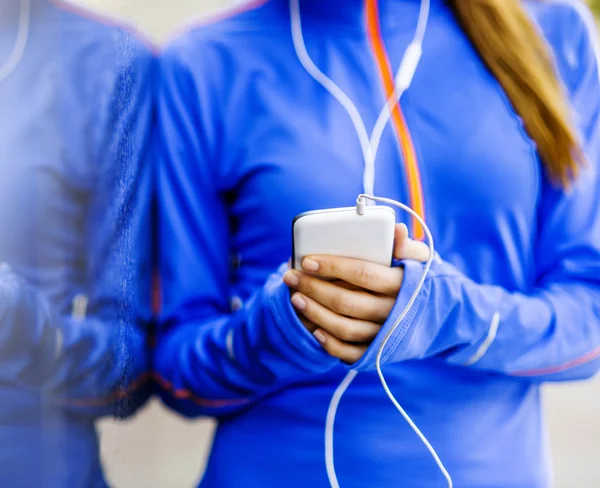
401, 233
407, 248
400, 238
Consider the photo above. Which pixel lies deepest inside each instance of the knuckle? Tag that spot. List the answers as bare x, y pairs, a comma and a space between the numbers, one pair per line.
364, 275
343, 304
328, 266
306, 285
347, 333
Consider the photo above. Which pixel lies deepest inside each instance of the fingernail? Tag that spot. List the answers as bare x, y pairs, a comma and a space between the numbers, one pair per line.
291, 278
310, 265
299, 302
322, 338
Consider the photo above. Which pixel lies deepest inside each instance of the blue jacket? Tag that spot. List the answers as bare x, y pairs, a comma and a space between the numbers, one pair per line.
249, 140
74, 197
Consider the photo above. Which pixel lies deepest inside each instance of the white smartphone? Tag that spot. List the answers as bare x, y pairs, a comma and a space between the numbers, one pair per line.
343, 232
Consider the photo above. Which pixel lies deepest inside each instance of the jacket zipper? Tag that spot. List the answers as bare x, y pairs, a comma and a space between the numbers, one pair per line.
409, 155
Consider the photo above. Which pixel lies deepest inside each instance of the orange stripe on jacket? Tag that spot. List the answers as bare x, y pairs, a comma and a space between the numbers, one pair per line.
182, 394
563, 367
119, 394
413, 174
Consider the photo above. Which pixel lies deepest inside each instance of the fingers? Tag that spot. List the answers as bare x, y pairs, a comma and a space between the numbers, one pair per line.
349, 353
351, 303
406, 248
345, 351
311, 327
363, 274
347, 286
342, 328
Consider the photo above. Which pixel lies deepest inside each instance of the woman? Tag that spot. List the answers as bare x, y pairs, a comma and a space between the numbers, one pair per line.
482, 145
77, 98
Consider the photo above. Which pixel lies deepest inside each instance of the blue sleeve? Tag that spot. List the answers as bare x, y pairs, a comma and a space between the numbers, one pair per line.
551, 333
210, 358
95, 362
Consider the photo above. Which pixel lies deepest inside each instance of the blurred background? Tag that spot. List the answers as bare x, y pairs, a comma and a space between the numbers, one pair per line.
158, 449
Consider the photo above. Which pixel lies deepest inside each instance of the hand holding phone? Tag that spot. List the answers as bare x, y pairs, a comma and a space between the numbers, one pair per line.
343, 294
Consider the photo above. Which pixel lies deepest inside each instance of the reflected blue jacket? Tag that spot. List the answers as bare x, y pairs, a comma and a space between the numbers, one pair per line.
249, 140
74, 195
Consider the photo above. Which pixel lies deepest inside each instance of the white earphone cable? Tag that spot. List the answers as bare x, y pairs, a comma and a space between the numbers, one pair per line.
404, 77
328, 84
399, 320
369, 147
22, 36
329, 427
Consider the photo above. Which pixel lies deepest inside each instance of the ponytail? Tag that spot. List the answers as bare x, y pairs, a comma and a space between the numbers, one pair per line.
515, 53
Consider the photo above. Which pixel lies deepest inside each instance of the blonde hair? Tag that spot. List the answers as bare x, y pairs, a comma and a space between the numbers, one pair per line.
513, 50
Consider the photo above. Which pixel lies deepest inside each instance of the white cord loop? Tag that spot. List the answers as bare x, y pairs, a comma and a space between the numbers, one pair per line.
397, 323
369, 147
341, 389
